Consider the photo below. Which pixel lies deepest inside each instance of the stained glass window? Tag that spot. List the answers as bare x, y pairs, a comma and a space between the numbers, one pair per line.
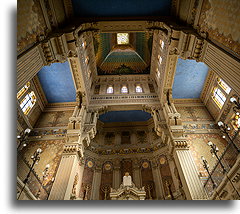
23, 90
122, 38
109, 90
218, 97
223, 85
139, 89
124, 89
28, 102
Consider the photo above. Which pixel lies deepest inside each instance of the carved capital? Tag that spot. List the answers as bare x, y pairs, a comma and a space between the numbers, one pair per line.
180, 144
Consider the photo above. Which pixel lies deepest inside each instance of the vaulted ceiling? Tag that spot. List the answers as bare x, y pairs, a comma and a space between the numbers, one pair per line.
125, 116
132, 57
120, 8
189, 79
57, 83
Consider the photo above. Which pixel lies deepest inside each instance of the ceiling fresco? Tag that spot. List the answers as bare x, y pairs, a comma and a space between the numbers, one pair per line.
57, 83
125, 116
120, 8
131, 57
189, 79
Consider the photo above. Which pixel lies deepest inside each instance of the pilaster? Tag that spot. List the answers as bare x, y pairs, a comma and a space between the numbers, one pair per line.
96, 181
192, 185
157, 179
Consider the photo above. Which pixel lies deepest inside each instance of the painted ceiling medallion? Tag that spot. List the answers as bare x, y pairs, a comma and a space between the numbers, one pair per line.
90, 164
122, 38
145, 164
107, 166
162, 160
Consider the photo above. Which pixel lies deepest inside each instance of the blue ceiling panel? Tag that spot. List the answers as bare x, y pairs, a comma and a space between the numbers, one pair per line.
57, 83
125, 116
189, 79
120, 8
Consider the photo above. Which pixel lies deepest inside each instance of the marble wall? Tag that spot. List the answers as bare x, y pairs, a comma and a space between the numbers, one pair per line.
51, 154
199, 147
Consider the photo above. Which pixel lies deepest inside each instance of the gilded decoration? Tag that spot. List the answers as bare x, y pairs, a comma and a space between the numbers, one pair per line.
30, 24
131, 57
51, 154
220, 19
198, 113
199, 147
54, 119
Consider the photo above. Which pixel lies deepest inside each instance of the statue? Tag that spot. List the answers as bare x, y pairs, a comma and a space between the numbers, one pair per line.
127, 180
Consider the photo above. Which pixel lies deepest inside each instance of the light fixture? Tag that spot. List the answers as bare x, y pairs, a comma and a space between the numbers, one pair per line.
214, 150
225, 130
233, 99
22, 138
206, 166
35, 158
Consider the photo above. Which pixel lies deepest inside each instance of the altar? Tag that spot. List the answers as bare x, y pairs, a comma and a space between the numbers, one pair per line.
128, 190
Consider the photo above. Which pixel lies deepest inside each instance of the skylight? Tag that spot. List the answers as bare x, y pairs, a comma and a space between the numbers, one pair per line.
122, 38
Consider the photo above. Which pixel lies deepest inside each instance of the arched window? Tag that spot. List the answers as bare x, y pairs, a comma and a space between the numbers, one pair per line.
139, 89
28, 102
223, 85
218, 97
110, 90
124, 89
23, 90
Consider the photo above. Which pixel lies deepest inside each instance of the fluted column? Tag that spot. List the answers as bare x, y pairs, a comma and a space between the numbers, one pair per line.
157, 178
173, 173
133, 137
188, 173
96, 182
137, 177
116, 175
67, 171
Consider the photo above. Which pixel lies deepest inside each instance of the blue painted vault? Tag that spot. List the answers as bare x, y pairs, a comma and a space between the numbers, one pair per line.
189, 79
57, 83
120, 8
125, 116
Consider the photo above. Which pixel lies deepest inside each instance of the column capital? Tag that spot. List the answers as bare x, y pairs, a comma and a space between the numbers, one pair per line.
180, 144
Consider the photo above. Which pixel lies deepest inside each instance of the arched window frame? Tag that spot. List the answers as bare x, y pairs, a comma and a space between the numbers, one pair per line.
223, 85
124, 89
220, 92
23, 90
138, 88
28, 102
110, 89
218, 97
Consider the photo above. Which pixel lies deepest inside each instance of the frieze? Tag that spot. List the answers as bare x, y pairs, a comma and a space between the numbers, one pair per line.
124, 151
